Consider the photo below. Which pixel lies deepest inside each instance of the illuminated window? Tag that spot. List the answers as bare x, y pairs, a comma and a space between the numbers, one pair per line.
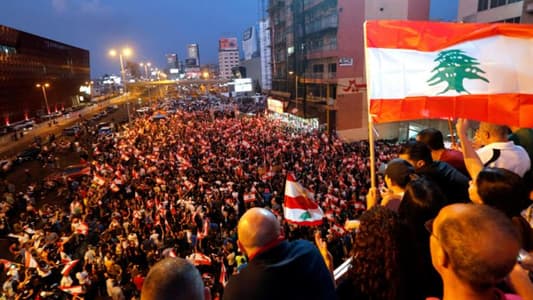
6, 50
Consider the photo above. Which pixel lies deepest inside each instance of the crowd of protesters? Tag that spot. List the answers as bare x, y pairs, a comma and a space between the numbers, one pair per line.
176, 186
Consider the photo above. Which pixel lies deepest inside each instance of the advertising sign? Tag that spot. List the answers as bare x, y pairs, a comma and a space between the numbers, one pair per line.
191, 62
275, 105
227, 43
243, 85
345, 61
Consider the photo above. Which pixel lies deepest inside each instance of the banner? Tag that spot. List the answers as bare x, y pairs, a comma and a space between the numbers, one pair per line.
422, 70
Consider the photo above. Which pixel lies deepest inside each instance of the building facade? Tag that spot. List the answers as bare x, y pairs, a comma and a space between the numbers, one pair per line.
251, 62
527, 14
228, 57
318, 56
265, 54
193, 52
490, 11
27, 60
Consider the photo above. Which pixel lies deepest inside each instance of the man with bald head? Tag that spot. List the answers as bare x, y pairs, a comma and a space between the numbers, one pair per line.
473, 247
498, 151
174, 278
277, 269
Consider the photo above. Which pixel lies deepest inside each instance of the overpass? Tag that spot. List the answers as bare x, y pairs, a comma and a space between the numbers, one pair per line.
187, 82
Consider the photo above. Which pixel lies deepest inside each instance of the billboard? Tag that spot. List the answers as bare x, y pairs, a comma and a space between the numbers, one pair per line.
250, 43
243, 85
275, 105
191, 62
227, 44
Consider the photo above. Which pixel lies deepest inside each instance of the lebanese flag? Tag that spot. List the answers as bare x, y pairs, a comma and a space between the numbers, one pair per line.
189, 185
81, 228
198, 259
299, 207
249, 197
223, 279
114, 188
430, 70
99, 180
68, 267
205, 229
337, 230
29, 260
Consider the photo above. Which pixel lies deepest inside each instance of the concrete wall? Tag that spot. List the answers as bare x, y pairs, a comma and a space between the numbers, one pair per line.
386, 9
527, 17
418, 10
253, 69
468, 12
466, 8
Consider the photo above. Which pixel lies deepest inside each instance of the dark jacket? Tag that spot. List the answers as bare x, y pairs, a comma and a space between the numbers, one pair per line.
453, 183
291, 270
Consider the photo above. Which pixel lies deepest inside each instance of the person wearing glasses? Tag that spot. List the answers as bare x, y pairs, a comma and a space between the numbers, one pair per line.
473, 248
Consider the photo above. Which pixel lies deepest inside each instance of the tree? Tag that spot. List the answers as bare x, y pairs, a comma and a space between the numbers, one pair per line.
454, 66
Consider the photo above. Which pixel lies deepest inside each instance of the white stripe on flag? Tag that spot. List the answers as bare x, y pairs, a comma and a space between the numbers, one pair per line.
401, 73
311, 216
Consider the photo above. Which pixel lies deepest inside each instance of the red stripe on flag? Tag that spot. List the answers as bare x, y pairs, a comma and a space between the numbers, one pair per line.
304, 223
432, 36
505, 109
301, 202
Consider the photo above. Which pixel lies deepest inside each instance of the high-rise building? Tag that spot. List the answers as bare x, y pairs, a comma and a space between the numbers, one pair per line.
250, 66
193, 52
228, 56
172, 61
318, 56
27, 60
490, 11
250, 43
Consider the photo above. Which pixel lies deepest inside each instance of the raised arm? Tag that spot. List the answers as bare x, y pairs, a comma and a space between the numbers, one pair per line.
472, 161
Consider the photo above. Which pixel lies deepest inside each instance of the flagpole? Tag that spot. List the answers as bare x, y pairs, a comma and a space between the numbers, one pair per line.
372, 158
452, 135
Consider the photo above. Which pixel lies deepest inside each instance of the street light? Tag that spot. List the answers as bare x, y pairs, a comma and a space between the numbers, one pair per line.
146, 66
296, 78
43, 87
125, 52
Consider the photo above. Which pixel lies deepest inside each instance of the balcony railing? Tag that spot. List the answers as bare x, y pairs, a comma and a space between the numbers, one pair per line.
323, 75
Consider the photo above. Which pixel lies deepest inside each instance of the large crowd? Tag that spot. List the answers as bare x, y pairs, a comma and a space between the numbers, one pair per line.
176, 186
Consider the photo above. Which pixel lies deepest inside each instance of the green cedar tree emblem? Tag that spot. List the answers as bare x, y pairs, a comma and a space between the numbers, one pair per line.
454, 66
305, 216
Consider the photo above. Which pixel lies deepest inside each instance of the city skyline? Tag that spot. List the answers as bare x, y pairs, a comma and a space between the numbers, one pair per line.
151, 29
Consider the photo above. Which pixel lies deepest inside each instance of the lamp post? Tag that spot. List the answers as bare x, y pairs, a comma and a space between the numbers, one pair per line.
43, 87
124, 52
146, 66
296, 78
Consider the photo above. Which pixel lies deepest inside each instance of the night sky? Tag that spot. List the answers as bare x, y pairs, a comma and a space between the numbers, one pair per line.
151, 28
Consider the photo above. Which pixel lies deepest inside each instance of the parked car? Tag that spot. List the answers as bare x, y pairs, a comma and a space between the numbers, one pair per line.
105, 124
105, 130
111, 108
28, 154
72, 130
5, 166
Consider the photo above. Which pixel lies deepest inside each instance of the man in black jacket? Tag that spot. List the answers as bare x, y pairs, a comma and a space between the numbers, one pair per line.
277, 269
453, 183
